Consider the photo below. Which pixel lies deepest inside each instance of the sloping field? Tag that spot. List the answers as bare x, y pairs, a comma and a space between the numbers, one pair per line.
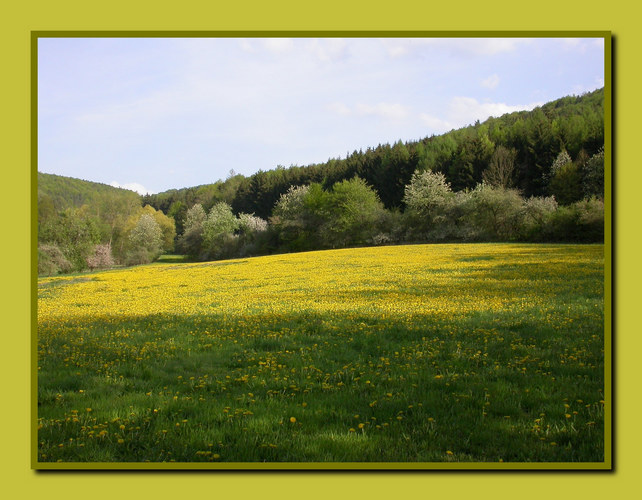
421, 354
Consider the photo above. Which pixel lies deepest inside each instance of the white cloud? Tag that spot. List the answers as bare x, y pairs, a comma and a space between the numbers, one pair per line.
132, 186
491, 82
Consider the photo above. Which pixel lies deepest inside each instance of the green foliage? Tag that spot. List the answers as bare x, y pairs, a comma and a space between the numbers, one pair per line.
581, 221
501, 170
290, 219
593, 176
310, 217
428, 199
178, 212
190, 241
496, 213
52, 261
67, 192
428, 194
352, 212
562, 159
250, 224
566, 184
220, 220
74, 232
145, 240
537, 212
195, 217
218, 231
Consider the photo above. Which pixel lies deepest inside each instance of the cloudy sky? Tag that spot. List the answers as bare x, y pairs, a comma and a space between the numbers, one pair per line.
152, 114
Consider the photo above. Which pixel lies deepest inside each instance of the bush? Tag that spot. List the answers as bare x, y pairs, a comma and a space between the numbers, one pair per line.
495, 213
51, 260
537, 211
582, 221
75, 233
593, 175
102, 258
428, 199
145, 241
136, 256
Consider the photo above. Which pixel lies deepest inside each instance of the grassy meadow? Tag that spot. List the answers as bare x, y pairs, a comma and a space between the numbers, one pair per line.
421, 353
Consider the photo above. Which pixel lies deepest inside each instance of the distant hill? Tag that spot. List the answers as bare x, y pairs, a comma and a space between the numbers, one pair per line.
67, 192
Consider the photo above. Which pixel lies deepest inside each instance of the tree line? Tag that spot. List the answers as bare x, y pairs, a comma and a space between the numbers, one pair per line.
526, 176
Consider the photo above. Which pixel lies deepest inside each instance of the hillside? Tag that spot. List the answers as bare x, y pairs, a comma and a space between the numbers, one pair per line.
58, 193
574, 124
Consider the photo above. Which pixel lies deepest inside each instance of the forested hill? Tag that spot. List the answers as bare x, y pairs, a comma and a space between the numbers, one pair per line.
58, 193
574, 124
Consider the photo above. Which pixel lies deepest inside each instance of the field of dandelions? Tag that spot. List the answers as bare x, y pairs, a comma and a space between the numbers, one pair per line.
419, 354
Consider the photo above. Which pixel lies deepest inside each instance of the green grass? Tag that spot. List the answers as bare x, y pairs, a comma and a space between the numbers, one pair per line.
524, 383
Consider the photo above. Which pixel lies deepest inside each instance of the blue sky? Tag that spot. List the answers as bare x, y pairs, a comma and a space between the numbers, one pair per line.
152, 114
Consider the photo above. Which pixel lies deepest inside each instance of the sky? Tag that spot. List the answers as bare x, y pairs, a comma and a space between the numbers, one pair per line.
152, 114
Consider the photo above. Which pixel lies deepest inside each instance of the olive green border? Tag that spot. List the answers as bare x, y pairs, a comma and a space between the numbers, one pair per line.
609, 433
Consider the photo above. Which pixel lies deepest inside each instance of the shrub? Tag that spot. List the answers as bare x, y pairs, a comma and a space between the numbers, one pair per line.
102, 257
582, 221
593, 175
145, 238
536, 213
51, 260
495, 213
